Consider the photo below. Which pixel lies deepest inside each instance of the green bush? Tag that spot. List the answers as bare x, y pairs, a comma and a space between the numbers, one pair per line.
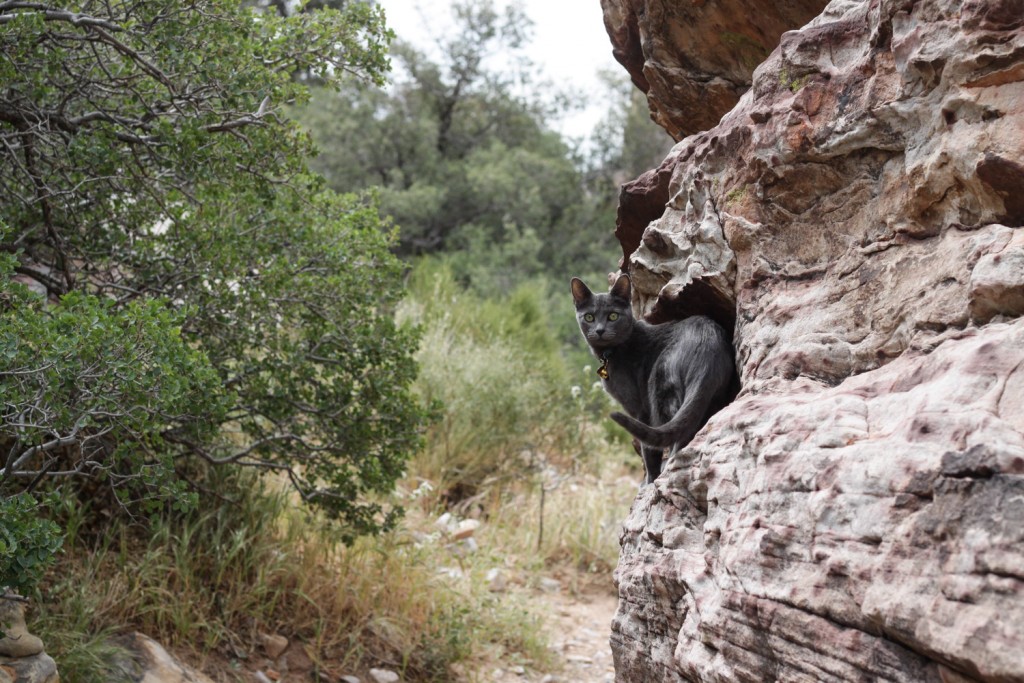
87, 389
28, 543
203, 298
299, 322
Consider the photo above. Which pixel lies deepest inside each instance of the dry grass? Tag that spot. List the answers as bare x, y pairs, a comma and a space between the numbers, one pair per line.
208, 585
416, 601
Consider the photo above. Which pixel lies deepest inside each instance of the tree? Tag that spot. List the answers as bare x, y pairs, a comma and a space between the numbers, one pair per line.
462, 152
197, 293
458, 146
626, 141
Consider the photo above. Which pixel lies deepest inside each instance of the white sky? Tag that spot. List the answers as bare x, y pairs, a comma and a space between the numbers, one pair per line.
569, 46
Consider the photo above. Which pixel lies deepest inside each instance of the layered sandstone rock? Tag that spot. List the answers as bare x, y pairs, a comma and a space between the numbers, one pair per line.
858, 512
694, 58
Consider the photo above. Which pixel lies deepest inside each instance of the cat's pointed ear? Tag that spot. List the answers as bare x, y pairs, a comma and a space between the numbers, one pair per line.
581, 294
621, 288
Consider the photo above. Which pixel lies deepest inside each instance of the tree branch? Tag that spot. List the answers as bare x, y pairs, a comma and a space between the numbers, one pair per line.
51, 14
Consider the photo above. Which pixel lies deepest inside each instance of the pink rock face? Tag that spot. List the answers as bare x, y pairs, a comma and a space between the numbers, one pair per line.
694, 58
858, 512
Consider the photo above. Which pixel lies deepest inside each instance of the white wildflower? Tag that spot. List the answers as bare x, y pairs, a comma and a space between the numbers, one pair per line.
423, 489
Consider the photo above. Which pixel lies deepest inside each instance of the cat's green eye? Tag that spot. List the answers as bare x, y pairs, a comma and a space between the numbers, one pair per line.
589, 317
613, 316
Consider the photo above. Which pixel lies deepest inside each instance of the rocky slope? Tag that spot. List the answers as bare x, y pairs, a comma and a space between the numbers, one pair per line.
858, 220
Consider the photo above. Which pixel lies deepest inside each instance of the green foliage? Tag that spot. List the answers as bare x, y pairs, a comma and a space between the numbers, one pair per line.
28, 543
464, 162
202, 296
467, 165
299, 321
496, 368
511, 172
145, 102
89, 388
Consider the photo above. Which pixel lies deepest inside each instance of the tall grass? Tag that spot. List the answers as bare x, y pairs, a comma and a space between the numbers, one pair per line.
498, 370
521, 437
573, 523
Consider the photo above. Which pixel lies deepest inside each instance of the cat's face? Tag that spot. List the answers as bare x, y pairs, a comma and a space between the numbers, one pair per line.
606, 320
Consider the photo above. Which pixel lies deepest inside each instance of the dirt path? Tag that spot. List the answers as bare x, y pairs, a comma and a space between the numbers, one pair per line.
579, 631
578, 628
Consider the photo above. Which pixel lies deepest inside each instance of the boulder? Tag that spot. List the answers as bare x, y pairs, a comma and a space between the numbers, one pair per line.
148, 662
16, 640
38, 668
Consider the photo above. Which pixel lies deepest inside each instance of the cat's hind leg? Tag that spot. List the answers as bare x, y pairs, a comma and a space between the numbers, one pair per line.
652, 462
665, 400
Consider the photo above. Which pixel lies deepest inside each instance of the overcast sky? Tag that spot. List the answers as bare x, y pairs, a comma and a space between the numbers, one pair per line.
570, 45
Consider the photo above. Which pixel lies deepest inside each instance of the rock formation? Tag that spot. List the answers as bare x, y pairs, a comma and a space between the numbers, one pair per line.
22, 659
149, 662
858, 512
693, 58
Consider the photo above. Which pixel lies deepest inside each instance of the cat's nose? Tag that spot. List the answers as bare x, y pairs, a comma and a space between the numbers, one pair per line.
600, 331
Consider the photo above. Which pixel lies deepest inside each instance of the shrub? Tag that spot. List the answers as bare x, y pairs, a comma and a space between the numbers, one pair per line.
86, 391
28, 543
199, 296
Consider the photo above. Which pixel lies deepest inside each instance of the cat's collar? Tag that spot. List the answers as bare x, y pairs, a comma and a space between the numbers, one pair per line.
602, 371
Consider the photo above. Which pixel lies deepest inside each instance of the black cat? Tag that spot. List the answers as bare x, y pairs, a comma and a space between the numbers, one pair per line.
669, 378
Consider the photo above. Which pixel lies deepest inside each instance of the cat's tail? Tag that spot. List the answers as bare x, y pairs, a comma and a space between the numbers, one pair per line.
656, 437
678, 431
